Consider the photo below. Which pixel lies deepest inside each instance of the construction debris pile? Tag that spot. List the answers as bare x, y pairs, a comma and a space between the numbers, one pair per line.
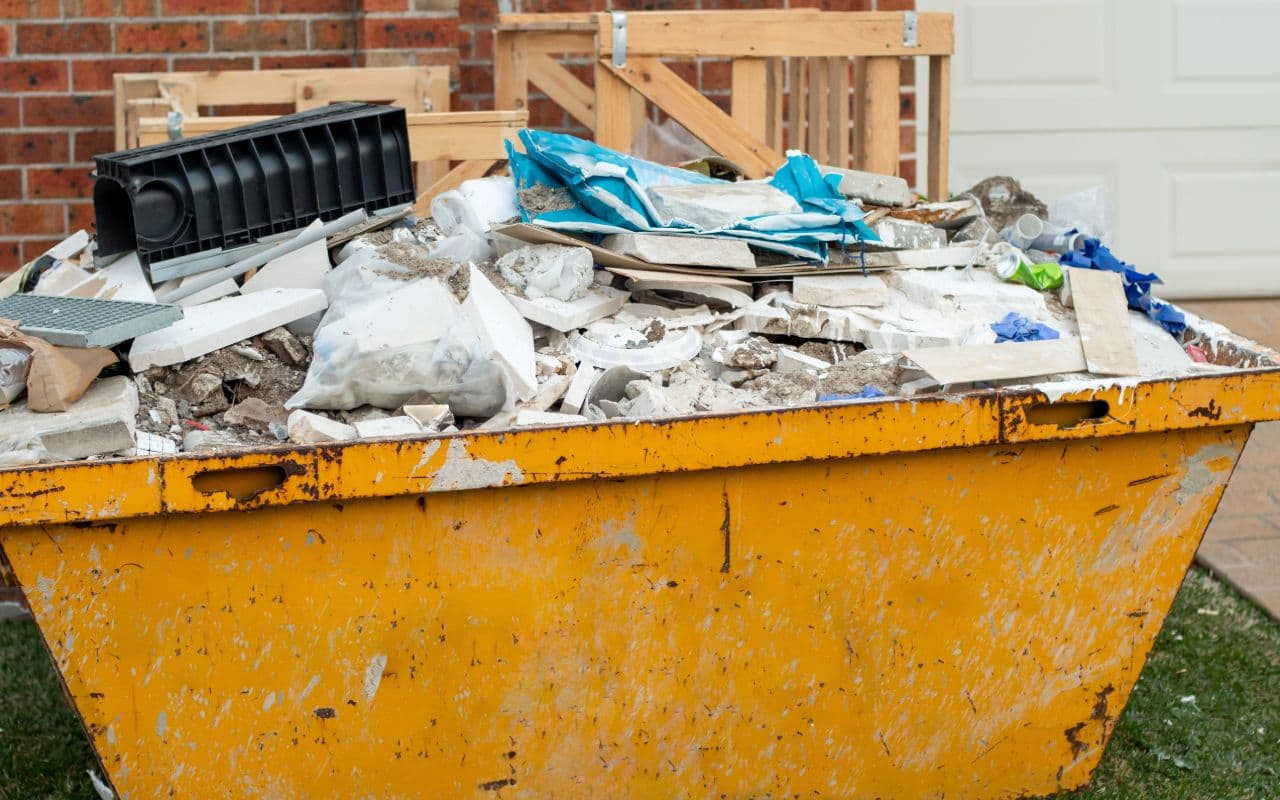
589, 286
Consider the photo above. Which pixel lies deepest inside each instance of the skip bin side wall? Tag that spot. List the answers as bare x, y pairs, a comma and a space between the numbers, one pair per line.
964, 622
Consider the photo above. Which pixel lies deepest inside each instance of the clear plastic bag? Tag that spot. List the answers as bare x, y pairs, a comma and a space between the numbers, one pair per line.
15, 363
1090, 211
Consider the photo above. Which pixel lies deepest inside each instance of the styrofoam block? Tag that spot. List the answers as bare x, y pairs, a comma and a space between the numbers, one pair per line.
304, 268
563, 316
215, 325
102, 421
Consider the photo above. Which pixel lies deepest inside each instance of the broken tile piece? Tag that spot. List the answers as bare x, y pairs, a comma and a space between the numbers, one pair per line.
101, 422
125, 280
307, 428
840, 291
902, 234
215, 325
598, 303
692, 251
794, 361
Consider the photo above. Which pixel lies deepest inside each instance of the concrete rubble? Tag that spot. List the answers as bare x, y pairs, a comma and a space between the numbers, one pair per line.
430, 326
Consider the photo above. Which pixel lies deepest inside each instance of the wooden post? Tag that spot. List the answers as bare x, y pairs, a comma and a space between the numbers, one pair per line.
879, 111
749, 98
797, 103
819, 134
615, 125
775, 95
939, 125
838, 111
510, 72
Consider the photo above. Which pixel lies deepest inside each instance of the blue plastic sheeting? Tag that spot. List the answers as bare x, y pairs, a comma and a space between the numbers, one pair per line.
609, 192
1137, 285
867, 393
1017, 328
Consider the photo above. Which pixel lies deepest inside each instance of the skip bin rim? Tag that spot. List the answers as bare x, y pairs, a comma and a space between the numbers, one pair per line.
103, 490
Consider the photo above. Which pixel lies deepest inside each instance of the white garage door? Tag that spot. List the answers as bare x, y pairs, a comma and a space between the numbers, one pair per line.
1173, 105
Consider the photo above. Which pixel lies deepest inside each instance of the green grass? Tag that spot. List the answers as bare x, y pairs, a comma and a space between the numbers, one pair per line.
1203, 723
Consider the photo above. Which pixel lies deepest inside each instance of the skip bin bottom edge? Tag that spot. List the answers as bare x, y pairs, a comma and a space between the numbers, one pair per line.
965, 623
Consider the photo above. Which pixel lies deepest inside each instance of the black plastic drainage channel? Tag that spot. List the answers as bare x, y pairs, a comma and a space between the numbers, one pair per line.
231, 188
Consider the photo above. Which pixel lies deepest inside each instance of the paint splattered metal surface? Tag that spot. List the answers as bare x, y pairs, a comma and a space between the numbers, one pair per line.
939, 598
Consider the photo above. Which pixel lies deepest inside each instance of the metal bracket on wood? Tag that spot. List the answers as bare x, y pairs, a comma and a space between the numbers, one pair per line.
173, 121
910, 21
619, 28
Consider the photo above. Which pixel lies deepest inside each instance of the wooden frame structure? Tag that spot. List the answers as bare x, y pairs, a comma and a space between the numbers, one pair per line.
792, 62
152, 95
448, 147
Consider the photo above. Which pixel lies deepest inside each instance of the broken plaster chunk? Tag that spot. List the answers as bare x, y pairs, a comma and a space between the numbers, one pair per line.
504, 333
125, 280
254, 412
304, 268
840, 291
221, 323
871, 187
794, 361
576, 396
564, 316
101, 422
431, 417
719, 204
388, 426
902, 234
549, 270
692, 251
307, 428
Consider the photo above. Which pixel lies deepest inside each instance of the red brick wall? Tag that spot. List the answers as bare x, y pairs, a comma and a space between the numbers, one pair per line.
57, 58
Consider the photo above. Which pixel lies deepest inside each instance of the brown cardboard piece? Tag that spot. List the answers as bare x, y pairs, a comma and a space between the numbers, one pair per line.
58, 376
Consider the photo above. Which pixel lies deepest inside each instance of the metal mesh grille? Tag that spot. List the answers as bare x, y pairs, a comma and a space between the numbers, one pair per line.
85, 322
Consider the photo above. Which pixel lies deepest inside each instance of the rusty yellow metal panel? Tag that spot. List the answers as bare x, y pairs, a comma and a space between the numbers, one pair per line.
703, 614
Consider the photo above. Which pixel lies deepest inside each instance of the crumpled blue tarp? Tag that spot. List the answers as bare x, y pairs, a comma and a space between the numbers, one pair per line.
1017, 328
609, 190
1137, 285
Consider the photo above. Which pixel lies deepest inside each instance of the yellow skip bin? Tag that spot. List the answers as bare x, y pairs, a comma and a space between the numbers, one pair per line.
947, 596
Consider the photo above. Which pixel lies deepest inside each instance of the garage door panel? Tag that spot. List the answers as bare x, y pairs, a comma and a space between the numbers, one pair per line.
1119, 64
1193, 206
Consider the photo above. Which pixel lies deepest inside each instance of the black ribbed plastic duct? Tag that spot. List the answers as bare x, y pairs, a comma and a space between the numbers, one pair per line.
234, 187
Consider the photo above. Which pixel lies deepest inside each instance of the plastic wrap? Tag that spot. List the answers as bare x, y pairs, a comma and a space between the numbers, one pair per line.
1090, 211
15, 363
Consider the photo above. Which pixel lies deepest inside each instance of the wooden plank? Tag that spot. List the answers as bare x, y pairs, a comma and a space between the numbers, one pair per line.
838, 111
233, 87
797, 103
563, 87
749, 98
639, 112
818, 136
615, 123
877, 132
465, 171
1102, 313
559, 42
997, 362
703, 118
764, 33
775, 97
939, 126
556, 21
510, 72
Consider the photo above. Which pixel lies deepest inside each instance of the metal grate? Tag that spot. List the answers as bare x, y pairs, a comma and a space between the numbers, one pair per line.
85, 322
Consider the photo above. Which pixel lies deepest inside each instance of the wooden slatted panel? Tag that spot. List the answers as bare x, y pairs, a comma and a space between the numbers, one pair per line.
775, 98
750, 94
838, 111
878, 112
797, 102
